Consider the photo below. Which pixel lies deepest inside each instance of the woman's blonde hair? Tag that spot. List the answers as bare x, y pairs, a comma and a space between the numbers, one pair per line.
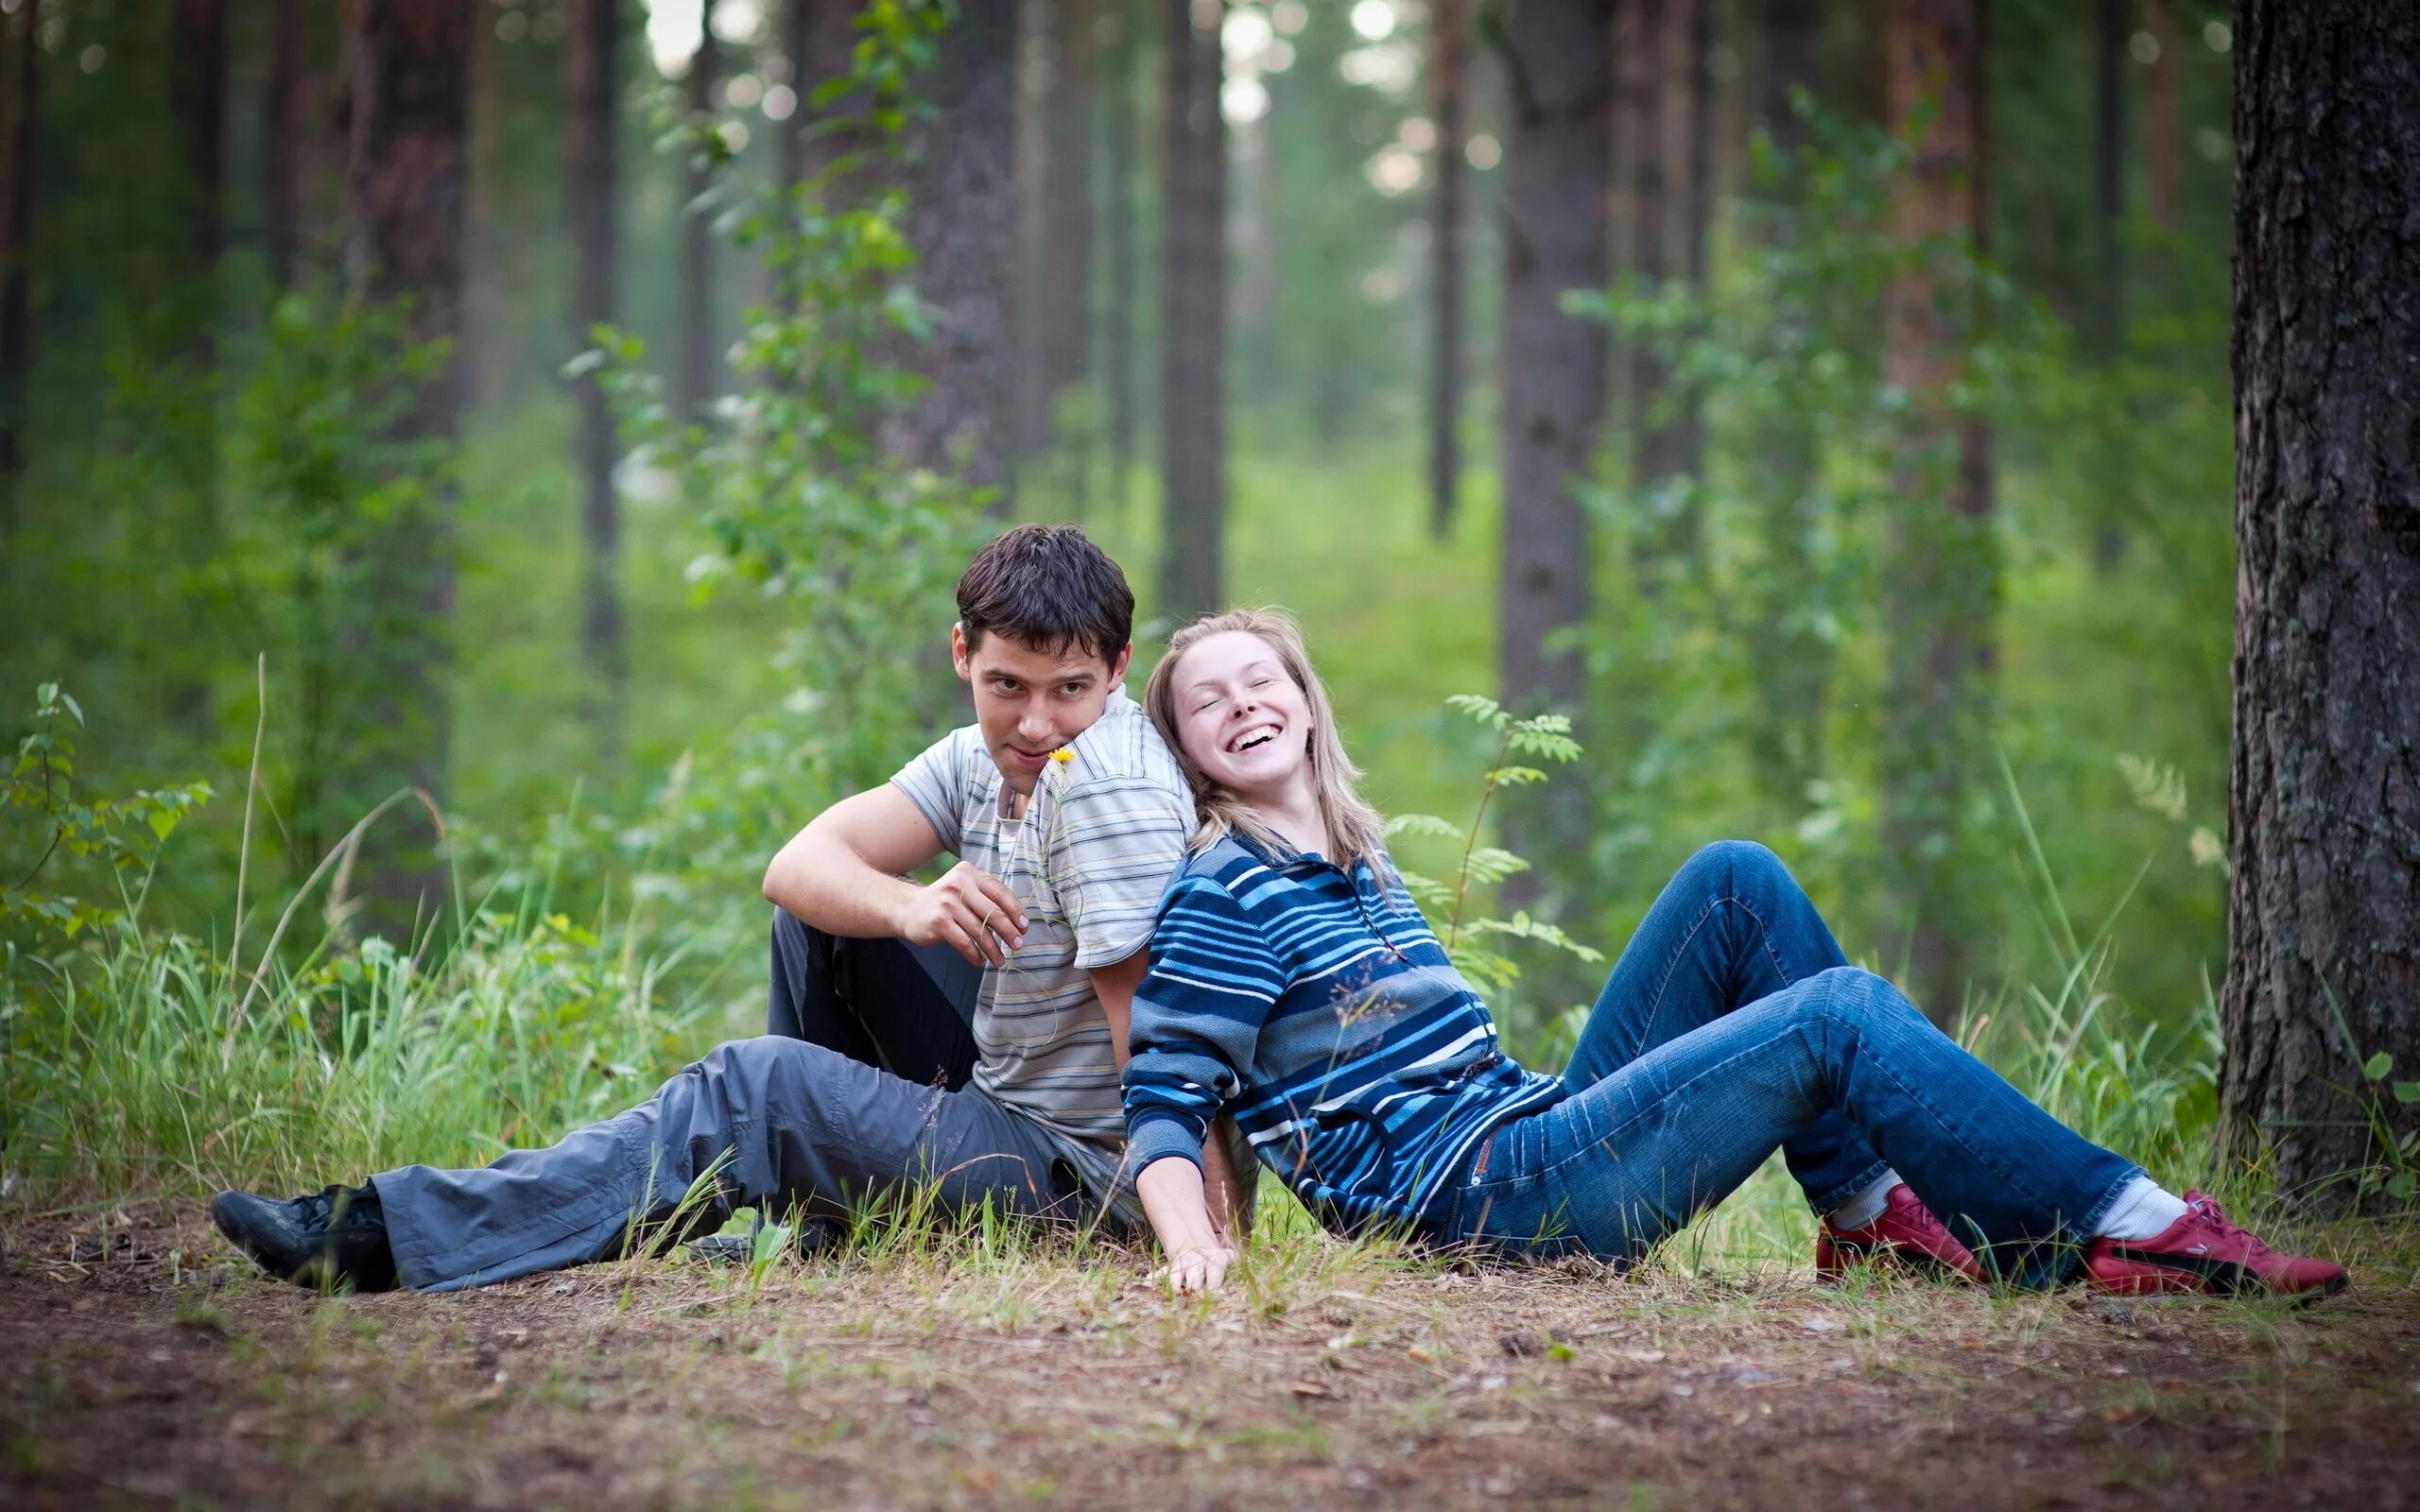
1354, 829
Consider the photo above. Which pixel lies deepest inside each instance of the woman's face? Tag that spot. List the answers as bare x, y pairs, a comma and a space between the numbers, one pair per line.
1241, 720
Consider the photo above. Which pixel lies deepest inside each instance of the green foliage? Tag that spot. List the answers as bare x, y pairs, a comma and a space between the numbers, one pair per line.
118, 839
1547, 737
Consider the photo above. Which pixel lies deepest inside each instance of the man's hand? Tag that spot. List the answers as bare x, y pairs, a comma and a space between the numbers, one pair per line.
1222, 1190
969, 910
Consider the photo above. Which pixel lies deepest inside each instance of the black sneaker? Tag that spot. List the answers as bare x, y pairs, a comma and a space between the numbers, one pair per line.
812, 1237
335, 1236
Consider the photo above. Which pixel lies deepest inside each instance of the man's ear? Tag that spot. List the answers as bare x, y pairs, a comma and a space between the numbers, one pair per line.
959, 652
1117, 667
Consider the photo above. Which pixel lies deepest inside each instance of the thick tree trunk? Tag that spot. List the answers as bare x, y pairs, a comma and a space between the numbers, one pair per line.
1791, 661
696, 387
485, 299
1559, 58
962, 218
1941, 593
1122, 123
19, 97
283, 112
2160, 110
1068, 202
409, 66
820, 37
1662, 437
1695, 46
592, 48
1448, 87
197, 106
1193, 318
2324, 797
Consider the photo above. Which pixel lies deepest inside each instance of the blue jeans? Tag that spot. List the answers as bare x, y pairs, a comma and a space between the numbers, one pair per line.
1732, 1026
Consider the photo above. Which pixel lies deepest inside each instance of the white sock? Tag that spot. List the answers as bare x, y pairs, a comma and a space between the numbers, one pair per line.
1867, 1204
2143, 1209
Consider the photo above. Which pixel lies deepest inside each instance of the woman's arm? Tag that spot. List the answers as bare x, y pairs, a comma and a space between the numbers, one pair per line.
1174, 1200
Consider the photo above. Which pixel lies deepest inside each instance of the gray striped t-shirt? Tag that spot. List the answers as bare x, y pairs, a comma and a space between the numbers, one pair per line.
1104, 832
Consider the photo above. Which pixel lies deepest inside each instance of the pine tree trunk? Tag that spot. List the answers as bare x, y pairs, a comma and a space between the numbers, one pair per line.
1067, 353
20, 99
1193, 294
1118, 252
962, 218
485, 299
197, 105
283, 114
1789, 662
1695, 45
2324, 794
1448, 84
592, 48
409, 69
1942, 580
2160, 113
1558, 57
820, 37
694, 387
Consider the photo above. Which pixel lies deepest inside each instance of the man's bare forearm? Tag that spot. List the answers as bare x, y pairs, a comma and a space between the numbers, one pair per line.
827, 883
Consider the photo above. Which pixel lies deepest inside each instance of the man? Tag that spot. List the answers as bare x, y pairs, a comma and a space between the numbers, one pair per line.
967, 1032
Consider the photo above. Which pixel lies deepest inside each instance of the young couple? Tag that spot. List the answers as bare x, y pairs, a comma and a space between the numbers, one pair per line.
1197, 881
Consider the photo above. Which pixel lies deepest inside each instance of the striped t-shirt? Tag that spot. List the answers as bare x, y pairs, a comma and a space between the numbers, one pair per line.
1316, 1006
1089, 861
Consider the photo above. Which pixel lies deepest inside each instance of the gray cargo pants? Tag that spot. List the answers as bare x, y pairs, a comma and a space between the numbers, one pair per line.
792, 1124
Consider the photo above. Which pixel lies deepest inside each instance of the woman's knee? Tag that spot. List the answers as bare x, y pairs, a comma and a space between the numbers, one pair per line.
1737, 867
1860, 999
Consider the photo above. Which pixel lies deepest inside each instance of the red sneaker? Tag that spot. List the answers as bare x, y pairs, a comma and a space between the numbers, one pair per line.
1905, 1232
2204, 1252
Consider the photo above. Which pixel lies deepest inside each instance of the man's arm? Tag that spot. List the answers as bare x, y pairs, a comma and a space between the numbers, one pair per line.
846, 875
1115, 986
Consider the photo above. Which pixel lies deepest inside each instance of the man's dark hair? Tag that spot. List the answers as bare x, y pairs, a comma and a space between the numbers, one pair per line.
1049, 588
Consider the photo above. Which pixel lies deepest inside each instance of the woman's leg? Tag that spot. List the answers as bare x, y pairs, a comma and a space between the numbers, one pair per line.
1731, 927
1644, 1150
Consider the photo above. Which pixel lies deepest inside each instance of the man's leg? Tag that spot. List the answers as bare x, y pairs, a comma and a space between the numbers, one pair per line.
907, 1008
769, 1122
1731, 927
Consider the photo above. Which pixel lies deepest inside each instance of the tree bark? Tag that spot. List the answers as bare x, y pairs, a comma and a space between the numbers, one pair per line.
1791, 663
2106, 338
1662, 433
1118, 208
1068, 198
20, 101
1941, 579
409, 67
592, 48
820, 37
2324, 794
283, 113
1558, 55
1449, 85
962, 219
1193, 319
696, 387
2160, 128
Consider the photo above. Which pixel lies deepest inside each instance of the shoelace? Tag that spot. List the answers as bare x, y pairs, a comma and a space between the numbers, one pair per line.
2210, 1214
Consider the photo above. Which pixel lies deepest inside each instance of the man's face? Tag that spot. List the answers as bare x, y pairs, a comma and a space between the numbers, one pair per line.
1030, 703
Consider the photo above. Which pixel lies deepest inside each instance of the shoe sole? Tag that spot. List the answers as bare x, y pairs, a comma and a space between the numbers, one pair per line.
2129, 1275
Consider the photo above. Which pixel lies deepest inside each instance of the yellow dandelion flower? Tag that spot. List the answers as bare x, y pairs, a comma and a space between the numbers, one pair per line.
1064, 755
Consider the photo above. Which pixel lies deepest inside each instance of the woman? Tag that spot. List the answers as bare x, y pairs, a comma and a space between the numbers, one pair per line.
1295, 986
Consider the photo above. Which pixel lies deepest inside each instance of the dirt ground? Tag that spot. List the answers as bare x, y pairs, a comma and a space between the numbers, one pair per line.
140, 1365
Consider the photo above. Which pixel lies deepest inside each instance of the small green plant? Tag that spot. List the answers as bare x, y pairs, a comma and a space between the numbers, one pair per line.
1540, 737
121, 836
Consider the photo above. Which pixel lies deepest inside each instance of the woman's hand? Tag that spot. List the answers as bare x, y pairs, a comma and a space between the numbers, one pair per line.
1199, 1255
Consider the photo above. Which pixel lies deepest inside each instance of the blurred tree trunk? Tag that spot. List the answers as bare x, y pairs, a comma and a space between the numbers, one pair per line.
1790, 659
20, 97
1120, 128
409, 67
1193, 319
1695, 46
1068, 238
962, 219
1657, 86
592, 50
2323, 794
484, 297
696, 385
820, 37
283, 112
198, 107
2160, 127
1448, 93
1558, 58
2106, 339
1942, 590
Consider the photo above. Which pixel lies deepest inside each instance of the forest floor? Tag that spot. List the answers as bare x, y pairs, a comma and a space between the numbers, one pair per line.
140, 1365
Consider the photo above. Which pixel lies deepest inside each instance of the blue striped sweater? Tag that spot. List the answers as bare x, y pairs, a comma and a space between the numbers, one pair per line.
1317, 1007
